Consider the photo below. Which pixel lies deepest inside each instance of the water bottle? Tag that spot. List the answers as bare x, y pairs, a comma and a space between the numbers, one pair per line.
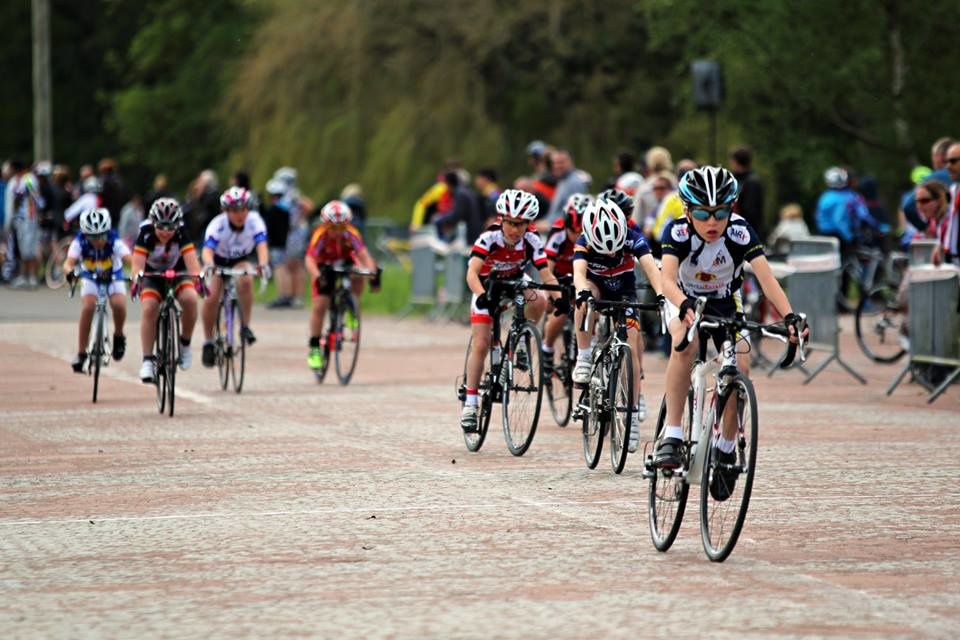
495, 355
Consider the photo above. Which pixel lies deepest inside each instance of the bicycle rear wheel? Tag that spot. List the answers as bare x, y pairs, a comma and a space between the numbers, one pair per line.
667, 495
160, 361
559, 387
880, 319
522, 388
723, 504
222, 346
96, 355
620, 398
238, 363
474, 440
348, 339
54, 275
171, 357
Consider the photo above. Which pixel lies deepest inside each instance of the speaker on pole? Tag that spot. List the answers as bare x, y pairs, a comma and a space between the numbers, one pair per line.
707, 84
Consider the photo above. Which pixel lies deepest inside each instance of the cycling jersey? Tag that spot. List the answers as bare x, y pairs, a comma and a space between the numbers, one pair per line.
335, 243
231, 243
613, 274
109, 258
502, 260
715, 269
162, 256
560, 250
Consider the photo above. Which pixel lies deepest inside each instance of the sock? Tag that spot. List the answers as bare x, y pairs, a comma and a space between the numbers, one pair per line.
149, 357
208, 342
315, 342
184, 341
727, 446
546, 348
673, 432
584, 355
471, 397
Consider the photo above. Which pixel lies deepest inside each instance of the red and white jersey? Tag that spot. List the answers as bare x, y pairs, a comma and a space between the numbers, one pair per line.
560, 250
503, 260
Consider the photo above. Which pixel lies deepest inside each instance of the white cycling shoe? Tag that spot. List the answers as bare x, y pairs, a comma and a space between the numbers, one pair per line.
186, 357
581, 372
639, 415
148, 371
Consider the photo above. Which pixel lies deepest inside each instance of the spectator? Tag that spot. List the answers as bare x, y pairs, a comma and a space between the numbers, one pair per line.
86, 171
276, 217
750, 203
114, 190
657, 160
487, 191
940, 173
202, 204
6, 173
932, 200
27, 204
791, 227
569, 182
352, 195
543, 183
464, 210
668, 207
435, 201
90, 198
298, 207
159, 190
63, 198
46, 215
948, 250
130, 218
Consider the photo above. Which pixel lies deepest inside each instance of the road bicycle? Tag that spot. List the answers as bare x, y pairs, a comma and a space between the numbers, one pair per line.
167, 338
606, 403
731, 398
98, 343
230, 347
514, 381
341, 336
559, 372
880, 317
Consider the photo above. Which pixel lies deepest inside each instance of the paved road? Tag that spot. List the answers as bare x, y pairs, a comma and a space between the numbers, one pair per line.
303, 510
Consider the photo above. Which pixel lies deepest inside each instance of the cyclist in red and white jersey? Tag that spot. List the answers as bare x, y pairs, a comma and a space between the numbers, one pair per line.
503, 252
236, 238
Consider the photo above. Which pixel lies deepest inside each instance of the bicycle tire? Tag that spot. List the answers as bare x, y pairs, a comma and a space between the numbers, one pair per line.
160, 362
668, 490
560, 385
593, 428
53, 274
474, 440
522, 383
221, 346
720, 527
348, 339
96, 357
171, 356
239, 349
620, 402
878, 323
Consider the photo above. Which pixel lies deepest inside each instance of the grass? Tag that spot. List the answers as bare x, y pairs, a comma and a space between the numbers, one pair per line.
392, 297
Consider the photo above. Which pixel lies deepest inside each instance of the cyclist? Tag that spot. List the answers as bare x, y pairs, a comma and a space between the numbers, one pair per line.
503, 251
163, 243
603, 262
98, 249
333, 243
703, 255
235, 238
559, 250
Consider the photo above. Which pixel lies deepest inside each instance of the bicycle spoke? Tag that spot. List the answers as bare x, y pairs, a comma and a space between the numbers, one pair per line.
522, 389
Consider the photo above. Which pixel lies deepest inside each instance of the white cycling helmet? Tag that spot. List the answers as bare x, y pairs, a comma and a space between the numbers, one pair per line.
605, 226
95, 221
836, 177
629, 182
336, 212
518, 205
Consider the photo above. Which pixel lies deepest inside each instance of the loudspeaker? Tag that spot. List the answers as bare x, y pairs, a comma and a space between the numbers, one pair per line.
707, 84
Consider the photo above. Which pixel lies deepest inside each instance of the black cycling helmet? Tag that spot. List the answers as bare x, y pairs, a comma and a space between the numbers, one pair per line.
619, 198
708, 187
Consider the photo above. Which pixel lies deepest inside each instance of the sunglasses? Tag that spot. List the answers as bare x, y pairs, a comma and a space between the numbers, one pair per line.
953, 160
925, 200
704, 214
235, 209
166, 227
97, 236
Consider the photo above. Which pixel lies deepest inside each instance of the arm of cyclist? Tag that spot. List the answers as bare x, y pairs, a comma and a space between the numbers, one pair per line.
670, 265
474, 283
263, 260
775, 294
559, 303
365, 261
73, 254
650, 269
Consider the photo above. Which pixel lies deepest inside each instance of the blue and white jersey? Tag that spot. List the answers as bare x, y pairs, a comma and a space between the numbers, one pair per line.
711, 269
107, 259
230, 242
612, 273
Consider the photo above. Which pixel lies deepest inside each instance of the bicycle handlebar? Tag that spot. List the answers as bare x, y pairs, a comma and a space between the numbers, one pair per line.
100, 277
606, 307
354, 271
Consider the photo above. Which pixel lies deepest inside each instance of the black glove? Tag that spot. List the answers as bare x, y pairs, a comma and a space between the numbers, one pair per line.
375, 280
71, 277
661, 300
689, 304
583, 296
561, 306
484, 302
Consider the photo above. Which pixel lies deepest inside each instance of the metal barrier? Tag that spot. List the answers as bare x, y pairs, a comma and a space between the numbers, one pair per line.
815, 246
455, 292
920, 251
813, 290
423, 275
933, 296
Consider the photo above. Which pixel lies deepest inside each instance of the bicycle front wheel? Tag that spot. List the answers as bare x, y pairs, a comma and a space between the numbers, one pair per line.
224, 354
880, 320
160, 355
522, 388
171, 357
559, 386
725, 484
238, 363
667, 496
620, 399
348, 339
53, 275
96, 355
474, 440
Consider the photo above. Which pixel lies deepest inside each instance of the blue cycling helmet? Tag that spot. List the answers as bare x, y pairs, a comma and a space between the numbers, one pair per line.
708, 187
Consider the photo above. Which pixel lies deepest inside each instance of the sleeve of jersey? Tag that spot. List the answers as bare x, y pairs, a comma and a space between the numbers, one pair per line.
356, 241
259, 229
580, 249
552, 246
675, 242
120, 248
481, 248
638, 245
186, 244
74, 250
140, 244
754, 245
537, 253
314, 242
210, 239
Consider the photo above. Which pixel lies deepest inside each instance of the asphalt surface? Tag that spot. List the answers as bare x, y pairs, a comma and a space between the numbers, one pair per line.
298, 509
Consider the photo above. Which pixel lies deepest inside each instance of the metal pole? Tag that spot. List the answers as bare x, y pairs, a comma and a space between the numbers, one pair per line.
42, 121
713, 136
